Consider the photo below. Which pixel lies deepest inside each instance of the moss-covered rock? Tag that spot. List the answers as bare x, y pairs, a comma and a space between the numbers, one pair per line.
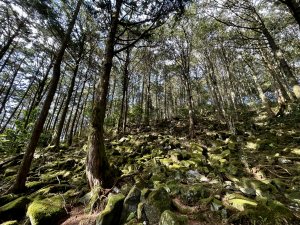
267, 212
170, 218
238, 202
157, 202
191, 194
46, 211
14, 210
130, 204
7, 198
112, 212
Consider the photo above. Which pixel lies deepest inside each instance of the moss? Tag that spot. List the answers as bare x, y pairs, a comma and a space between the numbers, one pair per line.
35, 184
11, 171
63, 174
170, 218
11, 222
237, 201
267, 212
157, 202
130, 204
7, 198
193, 193
46, 211
15, 209
112, 212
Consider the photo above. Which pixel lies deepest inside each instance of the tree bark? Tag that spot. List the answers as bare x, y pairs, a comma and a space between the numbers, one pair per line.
19, 184
278, 55
97, 167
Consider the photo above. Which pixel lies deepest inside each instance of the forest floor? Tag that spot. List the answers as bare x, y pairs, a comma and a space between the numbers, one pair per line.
251, 177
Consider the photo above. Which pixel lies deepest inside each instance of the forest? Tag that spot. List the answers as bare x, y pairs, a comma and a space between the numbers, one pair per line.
149, 112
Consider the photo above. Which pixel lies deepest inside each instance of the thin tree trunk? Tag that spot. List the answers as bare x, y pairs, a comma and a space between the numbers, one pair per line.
71, 133
263, 97
7, 58
124, 93
285, 93
10, 86
58, 112
4, 49
17, 107
38, 94
19, 184
278, 55
56, 139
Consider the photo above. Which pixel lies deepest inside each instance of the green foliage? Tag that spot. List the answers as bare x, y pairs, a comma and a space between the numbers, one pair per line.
14, 139
135, 113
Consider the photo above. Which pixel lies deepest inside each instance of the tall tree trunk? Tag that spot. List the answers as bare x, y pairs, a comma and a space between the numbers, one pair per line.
56, 139
19, 184
285, 93
278, 55
262, 96
148, 103
55, 117
97, 167
71, 133
124, 93
38, 94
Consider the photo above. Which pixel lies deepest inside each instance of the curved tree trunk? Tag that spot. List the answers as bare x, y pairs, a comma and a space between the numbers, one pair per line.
19, 184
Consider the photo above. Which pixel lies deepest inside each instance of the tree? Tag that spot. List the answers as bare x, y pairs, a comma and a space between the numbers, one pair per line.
19, 184
122, 20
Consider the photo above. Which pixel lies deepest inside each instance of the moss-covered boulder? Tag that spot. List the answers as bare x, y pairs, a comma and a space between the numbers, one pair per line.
46, 211
267, 212
170, 218
157, 202
112, 212
14, 210
130, 204
11, 222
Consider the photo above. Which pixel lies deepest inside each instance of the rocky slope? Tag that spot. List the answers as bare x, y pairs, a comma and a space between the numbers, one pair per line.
251, 177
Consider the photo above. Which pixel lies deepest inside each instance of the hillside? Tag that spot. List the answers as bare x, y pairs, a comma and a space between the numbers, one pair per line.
251, 177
